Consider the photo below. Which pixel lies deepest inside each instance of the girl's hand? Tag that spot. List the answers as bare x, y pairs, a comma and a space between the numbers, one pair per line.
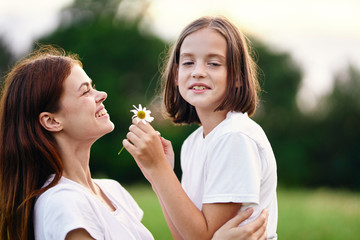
168, 150
146, 146
255, 230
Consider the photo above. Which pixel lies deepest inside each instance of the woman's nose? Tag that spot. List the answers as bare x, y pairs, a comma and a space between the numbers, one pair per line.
101, 96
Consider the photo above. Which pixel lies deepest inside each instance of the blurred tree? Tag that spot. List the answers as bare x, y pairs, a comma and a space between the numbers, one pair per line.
278, 113
336, 151
122, 60
6, 59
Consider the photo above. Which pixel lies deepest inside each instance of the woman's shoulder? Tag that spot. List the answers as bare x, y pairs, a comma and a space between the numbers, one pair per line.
60, 195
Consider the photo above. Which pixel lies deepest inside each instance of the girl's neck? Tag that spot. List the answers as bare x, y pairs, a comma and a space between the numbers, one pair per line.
210, 120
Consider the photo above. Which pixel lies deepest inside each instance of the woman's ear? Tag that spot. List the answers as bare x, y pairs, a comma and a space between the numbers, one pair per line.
48, 121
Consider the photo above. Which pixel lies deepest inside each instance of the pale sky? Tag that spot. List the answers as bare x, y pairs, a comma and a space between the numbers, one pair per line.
323, 36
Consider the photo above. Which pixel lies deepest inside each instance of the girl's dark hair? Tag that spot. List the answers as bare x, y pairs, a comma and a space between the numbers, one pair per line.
29, 153
241, 69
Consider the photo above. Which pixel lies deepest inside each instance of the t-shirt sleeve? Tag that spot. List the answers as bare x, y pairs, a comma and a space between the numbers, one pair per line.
66, 210
233, 170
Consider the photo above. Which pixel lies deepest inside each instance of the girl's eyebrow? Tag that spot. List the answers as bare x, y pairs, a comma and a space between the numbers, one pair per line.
208, 55
186, 55
85, 84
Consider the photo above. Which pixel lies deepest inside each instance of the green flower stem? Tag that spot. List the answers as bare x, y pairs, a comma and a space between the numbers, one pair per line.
121, 150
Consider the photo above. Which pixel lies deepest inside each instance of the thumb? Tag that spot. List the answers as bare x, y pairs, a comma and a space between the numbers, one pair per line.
239, 218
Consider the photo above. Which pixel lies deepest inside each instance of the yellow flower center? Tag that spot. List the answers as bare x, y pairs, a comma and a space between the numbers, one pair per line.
141, 114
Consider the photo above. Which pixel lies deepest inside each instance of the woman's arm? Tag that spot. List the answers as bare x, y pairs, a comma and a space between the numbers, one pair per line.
256, 230
191, 223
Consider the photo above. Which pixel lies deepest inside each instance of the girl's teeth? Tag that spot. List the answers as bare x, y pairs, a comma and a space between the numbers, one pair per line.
198, 87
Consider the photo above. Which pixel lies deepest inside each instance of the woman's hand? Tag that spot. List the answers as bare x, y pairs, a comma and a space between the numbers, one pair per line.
255, 230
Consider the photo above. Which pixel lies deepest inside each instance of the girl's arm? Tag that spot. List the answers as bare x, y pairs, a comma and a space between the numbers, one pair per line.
190, 222
78, 234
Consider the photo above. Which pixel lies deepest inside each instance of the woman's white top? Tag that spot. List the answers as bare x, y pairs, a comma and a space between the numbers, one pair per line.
69, 205
233, 163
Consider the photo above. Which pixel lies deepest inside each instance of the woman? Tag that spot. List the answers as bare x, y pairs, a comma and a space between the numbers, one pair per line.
50, 116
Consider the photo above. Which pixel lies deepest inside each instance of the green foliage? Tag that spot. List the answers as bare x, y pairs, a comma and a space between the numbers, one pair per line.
122, 61
335, 147
319, 149
278, 113
5, 60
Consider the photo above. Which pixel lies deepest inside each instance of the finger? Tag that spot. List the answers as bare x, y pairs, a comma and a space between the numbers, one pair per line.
258, 226
165, 142
146, 127
129, 147
239, 218
133, 138
136, 130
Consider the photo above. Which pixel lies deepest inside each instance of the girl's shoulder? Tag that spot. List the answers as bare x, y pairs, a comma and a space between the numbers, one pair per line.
198, 133
241, 123
238, 125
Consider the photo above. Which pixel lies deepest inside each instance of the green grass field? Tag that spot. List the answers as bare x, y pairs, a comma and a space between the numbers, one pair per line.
303, 214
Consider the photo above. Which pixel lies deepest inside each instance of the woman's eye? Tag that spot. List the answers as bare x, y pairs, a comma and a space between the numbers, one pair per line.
86, 92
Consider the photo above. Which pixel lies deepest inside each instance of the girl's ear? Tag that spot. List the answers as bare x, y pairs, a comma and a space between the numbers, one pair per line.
48, 121
175, 72
238, 84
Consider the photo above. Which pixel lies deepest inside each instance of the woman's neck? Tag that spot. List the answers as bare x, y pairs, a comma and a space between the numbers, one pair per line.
75, 158
209, 120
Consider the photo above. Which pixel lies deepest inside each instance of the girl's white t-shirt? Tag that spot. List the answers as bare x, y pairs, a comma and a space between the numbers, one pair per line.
69, 205
233, 163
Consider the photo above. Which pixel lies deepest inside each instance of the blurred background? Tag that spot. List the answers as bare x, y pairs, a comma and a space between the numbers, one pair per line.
309, 54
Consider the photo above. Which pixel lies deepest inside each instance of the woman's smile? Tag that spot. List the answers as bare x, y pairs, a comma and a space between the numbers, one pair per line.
100, 113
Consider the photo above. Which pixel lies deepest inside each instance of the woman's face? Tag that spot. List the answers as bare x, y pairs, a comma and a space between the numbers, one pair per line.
82, 112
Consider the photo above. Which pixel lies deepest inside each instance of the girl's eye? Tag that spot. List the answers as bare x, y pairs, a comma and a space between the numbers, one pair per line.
215, 64
187, 63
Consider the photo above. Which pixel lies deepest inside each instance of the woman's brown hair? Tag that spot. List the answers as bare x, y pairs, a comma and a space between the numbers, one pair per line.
29, 153
242, 72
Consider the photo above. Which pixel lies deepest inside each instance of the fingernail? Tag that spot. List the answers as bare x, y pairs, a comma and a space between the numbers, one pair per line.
249, 210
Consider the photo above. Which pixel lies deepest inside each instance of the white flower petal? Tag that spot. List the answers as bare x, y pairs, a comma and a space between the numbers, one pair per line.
147, 117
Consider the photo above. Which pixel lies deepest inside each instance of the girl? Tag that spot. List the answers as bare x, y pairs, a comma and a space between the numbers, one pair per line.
50, 116
227, 163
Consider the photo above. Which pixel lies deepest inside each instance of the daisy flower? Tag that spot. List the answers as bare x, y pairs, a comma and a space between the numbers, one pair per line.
141, 114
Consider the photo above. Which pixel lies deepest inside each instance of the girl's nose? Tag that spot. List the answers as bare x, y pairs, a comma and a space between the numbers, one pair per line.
199, 71
100, 96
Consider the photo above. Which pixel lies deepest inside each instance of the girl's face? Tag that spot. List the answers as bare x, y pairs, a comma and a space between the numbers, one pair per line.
202, 71
82, 113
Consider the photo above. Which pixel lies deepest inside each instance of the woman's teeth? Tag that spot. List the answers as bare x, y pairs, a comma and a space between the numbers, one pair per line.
102, 112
